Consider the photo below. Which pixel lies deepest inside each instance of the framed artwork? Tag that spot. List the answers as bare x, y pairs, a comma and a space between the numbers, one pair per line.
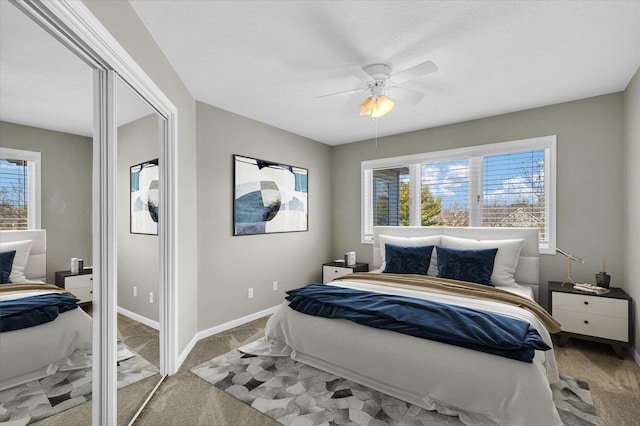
268, 197
145, 195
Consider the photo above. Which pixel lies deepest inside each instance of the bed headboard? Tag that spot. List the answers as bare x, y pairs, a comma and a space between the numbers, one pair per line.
37, 264
528, 270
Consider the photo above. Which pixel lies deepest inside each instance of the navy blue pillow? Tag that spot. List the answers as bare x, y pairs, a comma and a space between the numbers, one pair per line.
6, 263
407, 259
473, 266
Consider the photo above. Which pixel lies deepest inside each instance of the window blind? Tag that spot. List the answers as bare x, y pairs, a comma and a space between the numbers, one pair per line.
14, 194
513, 190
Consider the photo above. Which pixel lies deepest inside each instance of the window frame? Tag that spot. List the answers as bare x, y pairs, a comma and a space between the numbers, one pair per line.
475, 155
33, 159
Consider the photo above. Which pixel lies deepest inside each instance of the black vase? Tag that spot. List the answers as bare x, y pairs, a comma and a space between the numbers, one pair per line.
602, 279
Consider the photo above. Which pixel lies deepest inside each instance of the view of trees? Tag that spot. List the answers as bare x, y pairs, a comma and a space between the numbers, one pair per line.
430, 208
13, 215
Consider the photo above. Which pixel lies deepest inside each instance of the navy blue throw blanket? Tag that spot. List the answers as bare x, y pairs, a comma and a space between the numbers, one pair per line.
34, 310
454, 325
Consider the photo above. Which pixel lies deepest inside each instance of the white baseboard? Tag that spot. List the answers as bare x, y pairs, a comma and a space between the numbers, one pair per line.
144, 320
185, 353
231, 324
220, 328
635, 355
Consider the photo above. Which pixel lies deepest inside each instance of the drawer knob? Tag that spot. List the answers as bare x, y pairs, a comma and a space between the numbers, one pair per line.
586, 321
586, 303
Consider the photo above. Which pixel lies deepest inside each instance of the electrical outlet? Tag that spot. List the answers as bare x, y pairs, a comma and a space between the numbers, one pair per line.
275, 286
135, 291
150, 297
250, 293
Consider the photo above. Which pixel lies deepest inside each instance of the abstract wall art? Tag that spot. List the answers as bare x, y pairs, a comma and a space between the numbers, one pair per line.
269, 197
145, 195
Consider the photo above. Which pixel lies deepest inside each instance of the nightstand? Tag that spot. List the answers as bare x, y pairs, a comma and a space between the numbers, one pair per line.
81, 285
605, 318
333, 270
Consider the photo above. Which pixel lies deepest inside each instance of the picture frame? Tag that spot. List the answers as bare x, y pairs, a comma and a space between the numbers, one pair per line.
269, 197
144, 186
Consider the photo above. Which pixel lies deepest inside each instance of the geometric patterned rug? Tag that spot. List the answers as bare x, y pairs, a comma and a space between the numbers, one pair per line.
293, 393
68, 387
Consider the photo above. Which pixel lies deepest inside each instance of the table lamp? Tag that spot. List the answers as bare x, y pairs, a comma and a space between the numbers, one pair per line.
570, 258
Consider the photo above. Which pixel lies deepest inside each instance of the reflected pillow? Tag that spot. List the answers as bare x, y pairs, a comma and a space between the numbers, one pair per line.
473, 266
22, 248
506, 261
6, 262
407, 259
410, 242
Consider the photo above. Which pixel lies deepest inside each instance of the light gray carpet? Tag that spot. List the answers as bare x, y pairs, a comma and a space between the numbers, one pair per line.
68, 387
293, 393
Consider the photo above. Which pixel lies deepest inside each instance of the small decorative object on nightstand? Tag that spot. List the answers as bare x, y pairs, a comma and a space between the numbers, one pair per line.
80, 284
603, 279
333, 270
605, 318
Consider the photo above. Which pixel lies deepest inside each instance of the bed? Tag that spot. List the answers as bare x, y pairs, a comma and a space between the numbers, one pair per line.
35, 352
481, 388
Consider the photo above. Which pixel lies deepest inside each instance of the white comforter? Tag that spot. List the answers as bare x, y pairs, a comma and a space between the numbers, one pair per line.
35, 352
480, 388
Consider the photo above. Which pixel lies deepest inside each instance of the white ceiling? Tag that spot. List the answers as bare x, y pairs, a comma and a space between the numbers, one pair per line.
43, 84
270, 60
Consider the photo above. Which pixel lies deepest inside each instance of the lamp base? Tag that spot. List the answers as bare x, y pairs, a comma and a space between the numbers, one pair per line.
603, 279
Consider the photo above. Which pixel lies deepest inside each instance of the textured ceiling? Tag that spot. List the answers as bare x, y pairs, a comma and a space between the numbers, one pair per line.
43, 84
269, 60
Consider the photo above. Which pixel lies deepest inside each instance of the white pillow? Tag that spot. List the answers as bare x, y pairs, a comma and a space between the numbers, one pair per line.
411, 242
506, 261
22, 248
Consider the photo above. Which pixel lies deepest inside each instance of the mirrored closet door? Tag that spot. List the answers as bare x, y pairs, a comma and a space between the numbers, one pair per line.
46, 184
138, 248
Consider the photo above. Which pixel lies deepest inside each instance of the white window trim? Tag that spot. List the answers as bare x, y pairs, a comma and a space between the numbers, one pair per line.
34, 206
548, 143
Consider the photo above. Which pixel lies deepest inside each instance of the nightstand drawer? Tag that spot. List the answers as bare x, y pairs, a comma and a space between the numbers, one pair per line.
590, 324
77, 281
590, 305
329, 273
85, 294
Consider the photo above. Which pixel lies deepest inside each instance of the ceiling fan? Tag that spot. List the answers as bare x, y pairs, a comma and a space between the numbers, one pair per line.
379, 82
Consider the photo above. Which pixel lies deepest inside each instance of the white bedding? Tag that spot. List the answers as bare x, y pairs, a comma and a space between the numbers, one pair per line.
482, 389
33, 353
521, 290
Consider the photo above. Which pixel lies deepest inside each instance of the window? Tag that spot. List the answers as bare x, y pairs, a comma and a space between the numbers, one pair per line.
509, 184
19, 189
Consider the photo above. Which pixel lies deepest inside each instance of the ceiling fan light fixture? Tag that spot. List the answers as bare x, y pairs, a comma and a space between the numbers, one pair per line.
382, 106
366, 107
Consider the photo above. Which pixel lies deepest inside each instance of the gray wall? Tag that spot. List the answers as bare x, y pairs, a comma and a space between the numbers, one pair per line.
123, 23
590, 198
632, 217
138, 255
65, 190
229, 265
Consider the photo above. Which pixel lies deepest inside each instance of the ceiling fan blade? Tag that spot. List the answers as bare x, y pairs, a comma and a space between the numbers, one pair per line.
407, 95
414, 72
357, 72
346, 92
